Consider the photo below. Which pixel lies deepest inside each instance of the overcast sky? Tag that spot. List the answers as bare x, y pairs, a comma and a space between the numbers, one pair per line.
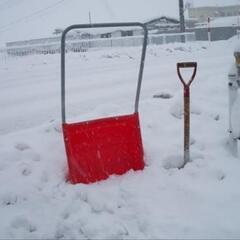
24, 19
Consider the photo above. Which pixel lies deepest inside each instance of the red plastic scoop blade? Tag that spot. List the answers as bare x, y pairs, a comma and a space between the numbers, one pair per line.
99, 148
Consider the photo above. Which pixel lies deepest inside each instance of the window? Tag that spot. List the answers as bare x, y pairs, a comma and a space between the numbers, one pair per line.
106, 35
127, 33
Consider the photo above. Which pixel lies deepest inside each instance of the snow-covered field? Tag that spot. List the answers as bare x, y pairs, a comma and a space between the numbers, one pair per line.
201, 200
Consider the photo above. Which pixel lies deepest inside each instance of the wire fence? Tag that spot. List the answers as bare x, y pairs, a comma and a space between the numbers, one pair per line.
85, 45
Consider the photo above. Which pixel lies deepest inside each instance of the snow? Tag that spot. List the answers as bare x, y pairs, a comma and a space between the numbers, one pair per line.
237, 47
202, 200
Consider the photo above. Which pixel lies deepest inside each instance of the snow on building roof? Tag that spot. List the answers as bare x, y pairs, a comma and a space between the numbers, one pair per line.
171, 19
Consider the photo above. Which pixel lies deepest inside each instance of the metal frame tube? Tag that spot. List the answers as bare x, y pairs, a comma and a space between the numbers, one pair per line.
101, 25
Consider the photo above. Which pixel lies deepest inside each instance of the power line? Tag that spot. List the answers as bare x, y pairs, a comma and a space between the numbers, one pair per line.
6, 27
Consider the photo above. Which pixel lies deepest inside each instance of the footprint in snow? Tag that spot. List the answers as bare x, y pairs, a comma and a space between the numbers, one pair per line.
64, 232
24, 224
217, 117
163, 95
219, 175
25, 170
27, 153
22, 146
9, 199
65, 215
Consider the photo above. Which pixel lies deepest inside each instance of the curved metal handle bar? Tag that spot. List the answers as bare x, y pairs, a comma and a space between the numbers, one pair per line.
101, 25
187, 65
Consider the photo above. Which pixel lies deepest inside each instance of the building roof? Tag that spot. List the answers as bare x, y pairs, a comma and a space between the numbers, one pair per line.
169, 19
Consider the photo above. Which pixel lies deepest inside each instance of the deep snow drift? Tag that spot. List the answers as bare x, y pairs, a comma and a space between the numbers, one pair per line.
200, 201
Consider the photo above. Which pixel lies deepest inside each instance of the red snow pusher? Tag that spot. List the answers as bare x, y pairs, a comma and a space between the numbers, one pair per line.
99, 148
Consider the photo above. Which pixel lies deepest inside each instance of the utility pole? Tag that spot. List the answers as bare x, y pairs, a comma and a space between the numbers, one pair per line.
182, 20
90, 17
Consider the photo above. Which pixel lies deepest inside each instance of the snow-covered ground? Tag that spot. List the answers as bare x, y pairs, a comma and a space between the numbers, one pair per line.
201, 200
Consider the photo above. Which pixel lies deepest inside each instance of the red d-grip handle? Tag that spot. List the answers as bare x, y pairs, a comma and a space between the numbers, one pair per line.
187, 65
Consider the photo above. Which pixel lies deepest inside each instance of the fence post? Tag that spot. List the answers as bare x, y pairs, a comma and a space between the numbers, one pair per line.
209, 29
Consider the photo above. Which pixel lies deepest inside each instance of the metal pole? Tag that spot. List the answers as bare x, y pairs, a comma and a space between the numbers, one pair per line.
90, 18
209, 29
182, 20
238, 26
102, 25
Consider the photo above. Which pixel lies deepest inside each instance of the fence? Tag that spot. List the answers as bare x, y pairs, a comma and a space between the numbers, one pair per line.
86, 45
238, 34
171, 38
3, 54
217, 33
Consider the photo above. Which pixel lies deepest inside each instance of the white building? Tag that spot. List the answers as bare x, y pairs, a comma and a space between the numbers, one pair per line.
202, 13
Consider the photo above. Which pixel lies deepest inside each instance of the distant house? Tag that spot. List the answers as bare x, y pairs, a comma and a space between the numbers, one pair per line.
162, 24
121, 33
202, 13
165, 24
106, 35
82, 40
157, 25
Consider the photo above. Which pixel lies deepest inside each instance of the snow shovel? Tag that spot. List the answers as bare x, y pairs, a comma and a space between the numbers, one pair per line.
186, 88
99, 148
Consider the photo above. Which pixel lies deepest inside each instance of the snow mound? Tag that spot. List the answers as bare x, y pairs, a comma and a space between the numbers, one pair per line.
173, 162
177, 109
